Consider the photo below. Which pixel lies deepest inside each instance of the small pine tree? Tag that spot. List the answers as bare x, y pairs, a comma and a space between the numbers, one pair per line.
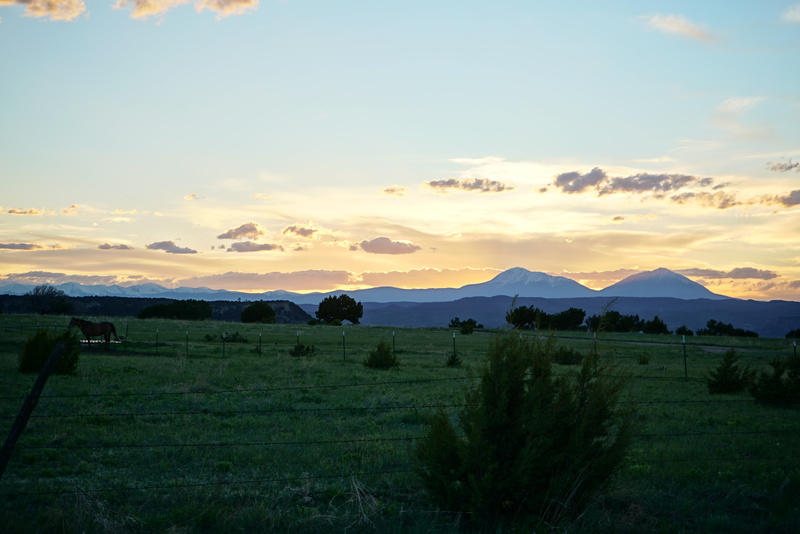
775, 388
729, 376
531, 444
40, 345
382, 357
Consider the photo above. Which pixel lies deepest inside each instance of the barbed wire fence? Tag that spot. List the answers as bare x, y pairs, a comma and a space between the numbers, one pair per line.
169, 340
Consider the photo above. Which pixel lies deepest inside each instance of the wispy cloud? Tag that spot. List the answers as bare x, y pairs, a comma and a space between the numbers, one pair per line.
681, 26
250, 230
170, 247
384, 245
738, 273
300, 230
720, 200
780, 166
395, 190
68, 10
46, 277
250, 246
193, 196
307, 280
20, 246
28, 211
109, 246
481, 185
792, 14
141, 9
65, 10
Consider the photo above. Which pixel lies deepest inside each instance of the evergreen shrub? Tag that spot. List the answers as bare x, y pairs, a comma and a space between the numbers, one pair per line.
729, 376
529, 444
782, 385
382, 357
38, 347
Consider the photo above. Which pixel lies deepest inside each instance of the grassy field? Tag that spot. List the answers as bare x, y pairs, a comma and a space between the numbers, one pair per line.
174, 430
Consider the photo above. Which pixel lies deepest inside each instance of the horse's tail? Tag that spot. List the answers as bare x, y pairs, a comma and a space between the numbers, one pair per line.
114, 331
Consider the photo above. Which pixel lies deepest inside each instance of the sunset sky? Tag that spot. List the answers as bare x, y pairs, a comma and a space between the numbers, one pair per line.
316, 145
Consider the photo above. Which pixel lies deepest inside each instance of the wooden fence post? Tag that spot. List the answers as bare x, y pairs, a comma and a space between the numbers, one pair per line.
29, 404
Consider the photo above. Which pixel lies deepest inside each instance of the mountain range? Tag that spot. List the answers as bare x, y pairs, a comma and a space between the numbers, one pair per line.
513, 282
677, 300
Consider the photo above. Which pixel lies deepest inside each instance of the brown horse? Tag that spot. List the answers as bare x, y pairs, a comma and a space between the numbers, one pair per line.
90, 329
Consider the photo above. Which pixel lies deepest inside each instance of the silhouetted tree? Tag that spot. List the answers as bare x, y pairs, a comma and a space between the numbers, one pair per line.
258, 312
716, 328
190, 309
47, 300
334, 310
656, 326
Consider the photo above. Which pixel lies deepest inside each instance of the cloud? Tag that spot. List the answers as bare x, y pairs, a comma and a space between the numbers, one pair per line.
193, 197
657, 184
482, 185
309, 280
779, 166
395, 190
300, 231
681, 26
109, 246
68, 10
738, 273
719, 200
250, 230
142, 9
45, 277
646, 183
427, 278
170, 247
20, 246
54, 9
29, 211
384, 245
249, 246
788, 200
792, 14
70, 211
575, 182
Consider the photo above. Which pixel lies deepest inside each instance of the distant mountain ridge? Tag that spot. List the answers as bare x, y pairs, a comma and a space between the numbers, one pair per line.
513, 282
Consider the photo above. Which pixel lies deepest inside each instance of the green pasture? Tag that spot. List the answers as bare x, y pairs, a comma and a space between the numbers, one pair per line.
174, 429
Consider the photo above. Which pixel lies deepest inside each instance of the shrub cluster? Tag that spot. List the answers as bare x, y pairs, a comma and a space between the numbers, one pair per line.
38, 347
529, 444
382, 357
782, 385
466, 327
300, 350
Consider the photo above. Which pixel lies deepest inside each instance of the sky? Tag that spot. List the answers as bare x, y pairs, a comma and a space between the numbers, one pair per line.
305, 145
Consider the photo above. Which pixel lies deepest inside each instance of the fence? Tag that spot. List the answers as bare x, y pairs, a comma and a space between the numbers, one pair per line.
111, 437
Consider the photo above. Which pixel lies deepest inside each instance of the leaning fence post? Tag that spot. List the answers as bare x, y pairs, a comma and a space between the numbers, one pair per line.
29, 404
259, 343
344, 348
454, 344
